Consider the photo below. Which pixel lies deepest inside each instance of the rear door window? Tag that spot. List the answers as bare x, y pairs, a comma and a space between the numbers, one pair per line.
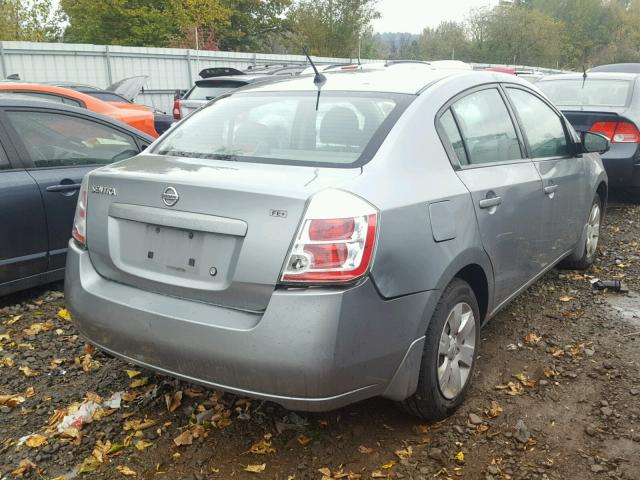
453, 134
542, 126
486, 128
58, 140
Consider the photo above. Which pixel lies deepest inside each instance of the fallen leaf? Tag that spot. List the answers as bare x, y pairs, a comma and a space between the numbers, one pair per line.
29, 392
532, 339
88, 363
256, 468
139, 383
494, 411
303, 440
7, 362
388, 465
37, 328
421, 429
12, 320
325, 471
115, 448
566, 298
404, 454
482, 428
142, 444
173, 402
88, 349
36, 440
185, 438
263, 447
24, 466
89, 465
549, 372
64, 314
511, 388
132, 373
524, 379
56, 362
126, 471
138, 424
28, 372
379, 474
459, 456
365, 450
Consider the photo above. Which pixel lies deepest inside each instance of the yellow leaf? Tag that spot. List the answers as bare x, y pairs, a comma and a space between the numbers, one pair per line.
29, 392
566, 298
126, 471
511, 388
89, 465
133, 373
185, 438
495, 410
36, 440
379, 474
7, 362
56, 362
365, 450
12, 320
4, 336
24, 466
64, 314
325, 471
388, 465
532, 338
139, 383
138, 424
142, 444
550, 372
263, 447
405, 453
524, 379
460, 456
256, 468
28, 372
483, 428
37, 328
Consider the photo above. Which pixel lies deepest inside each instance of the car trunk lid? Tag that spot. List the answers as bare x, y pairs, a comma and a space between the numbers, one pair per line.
223, 241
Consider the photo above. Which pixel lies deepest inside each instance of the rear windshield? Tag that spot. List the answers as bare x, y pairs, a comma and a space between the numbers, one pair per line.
209, 91
285, 127
594, 92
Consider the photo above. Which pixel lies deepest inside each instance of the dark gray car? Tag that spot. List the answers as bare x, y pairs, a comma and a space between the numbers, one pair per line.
45, 150
316, 248
606, 103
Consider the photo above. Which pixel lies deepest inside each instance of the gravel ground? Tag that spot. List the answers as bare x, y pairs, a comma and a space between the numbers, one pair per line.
556, 396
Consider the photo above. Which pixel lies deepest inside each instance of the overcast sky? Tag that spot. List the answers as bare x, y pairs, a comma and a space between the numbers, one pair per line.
413, 15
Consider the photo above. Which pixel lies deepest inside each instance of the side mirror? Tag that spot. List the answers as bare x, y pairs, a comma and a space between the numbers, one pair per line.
594, 143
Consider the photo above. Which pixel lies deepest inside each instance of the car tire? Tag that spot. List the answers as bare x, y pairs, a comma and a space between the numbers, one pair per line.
590, 247
436, 397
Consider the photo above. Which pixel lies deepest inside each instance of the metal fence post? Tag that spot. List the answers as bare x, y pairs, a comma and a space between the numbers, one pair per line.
108, 60
189, 66
2, 61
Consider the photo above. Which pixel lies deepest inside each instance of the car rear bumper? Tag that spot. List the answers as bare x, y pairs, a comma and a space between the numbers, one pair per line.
311, 349
623, 166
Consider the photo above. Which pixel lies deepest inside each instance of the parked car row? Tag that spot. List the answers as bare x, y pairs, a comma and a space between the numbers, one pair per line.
370, 220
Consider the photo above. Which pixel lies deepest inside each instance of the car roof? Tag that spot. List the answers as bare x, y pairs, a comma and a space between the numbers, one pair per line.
592, 75
399, 78
235, 78
618, 67
8, 100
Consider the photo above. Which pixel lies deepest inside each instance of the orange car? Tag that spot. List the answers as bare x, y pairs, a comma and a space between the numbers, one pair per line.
138, 116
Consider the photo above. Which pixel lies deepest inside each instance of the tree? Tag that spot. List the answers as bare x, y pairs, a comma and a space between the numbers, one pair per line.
331, 27
35, 21
447, 41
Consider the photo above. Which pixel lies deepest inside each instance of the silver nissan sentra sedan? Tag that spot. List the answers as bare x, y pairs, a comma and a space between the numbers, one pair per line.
316, 247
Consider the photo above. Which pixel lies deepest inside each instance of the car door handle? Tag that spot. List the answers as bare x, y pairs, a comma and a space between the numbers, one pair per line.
63, 187
490, 202
549, 189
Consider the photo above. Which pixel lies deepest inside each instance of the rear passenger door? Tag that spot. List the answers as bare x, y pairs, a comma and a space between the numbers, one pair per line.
23, 241
563, 182
504, 185
58, 149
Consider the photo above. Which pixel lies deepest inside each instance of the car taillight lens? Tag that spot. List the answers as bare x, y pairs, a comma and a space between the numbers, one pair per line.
79, 232
335, 242
617, 132
176, 109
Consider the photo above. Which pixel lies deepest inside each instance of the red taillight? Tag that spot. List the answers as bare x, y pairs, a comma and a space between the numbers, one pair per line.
176, 109
617, 132
334, 229
79, 231
333, 249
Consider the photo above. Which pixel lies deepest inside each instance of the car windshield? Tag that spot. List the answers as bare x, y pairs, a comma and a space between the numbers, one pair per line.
210, 91
286, 128
594, 92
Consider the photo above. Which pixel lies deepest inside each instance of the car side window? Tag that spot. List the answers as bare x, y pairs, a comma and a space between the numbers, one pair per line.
58, 140
486, 128
453, 134
542, 126
48, 97
4, 160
